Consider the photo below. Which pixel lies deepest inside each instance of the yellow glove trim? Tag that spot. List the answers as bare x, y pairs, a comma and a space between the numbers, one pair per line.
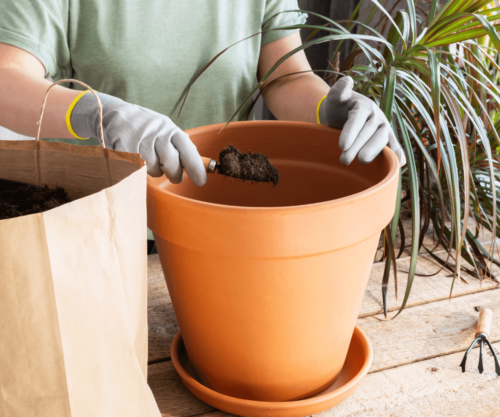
70, 110
317, 110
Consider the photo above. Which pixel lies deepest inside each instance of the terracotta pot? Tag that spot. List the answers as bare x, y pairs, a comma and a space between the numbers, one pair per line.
266, 282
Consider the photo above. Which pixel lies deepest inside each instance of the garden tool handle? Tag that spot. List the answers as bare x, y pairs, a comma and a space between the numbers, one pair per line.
67, 80
484, 322
210, 165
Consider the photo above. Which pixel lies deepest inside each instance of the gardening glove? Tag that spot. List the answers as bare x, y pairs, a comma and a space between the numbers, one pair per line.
130, 128
365, 129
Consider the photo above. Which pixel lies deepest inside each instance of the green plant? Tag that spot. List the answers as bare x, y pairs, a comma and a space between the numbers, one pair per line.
435, 74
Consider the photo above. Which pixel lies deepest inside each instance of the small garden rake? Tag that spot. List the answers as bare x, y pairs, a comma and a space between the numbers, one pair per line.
482, 333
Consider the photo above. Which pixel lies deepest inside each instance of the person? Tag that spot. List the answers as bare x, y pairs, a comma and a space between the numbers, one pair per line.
142, 54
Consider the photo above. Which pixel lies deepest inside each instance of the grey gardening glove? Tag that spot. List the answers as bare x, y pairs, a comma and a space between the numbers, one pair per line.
365, 129
130, 128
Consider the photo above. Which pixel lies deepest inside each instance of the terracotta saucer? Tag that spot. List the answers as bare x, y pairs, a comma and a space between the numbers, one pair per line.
358, 362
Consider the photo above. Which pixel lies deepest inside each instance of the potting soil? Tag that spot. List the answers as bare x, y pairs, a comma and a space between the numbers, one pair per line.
23, 199
247, 166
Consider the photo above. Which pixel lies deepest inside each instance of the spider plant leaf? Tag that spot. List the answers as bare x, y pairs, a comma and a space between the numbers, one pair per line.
464, 21
346, 65
447, 26
435, 71
313, 33
402, 22
391, 260
450, 164
355, 12
445, 10
415, 203
348, 27
486, 145
481, 248
432, 11
462, 142
460, 36
364, 69
432, 166
444, 263
478, 5
405, 26
490, 29
402, 235
371, 12
389, 17
259, 93
356, 38
478, 124
396, 219
365, 28
206, 67
413, 20
389, 91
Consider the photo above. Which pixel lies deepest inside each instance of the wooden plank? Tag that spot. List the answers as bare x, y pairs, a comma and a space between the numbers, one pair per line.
161, 317
157, 288
172, 396
163, 324
216, 413
429, 239
429, 330
492, 413
433, 388
425, 289
424, 333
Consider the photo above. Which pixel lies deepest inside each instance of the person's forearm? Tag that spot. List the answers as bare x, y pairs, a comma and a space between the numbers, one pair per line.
290, 97
21, 97
296, 97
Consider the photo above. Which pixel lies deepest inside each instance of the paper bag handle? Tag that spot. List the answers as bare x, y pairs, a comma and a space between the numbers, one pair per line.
68, 80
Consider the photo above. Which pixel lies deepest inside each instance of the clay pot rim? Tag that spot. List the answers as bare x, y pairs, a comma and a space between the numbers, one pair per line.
350, 199
285, 405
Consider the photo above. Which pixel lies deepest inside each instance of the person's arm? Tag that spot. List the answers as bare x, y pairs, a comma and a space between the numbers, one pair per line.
306, 97
129, 128
294, 97
22, 88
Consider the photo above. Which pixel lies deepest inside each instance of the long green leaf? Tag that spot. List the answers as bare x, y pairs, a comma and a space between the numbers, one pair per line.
435, 70
415, 209
384, 11
389, 91
432, 11
305, 45
413, 20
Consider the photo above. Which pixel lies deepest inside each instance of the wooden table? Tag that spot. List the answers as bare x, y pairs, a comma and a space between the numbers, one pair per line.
415, 370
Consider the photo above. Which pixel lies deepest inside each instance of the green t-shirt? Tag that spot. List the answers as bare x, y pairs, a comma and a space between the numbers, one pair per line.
148, 51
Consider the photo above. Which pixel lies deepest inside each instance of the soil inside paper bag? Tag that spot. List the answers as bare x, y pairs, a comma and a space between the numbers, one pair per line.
19, 200
247, 166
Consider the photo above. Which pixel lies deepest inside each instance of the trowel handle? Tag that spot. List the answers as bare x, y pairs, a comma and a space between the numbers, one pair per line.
210, 165
484, 322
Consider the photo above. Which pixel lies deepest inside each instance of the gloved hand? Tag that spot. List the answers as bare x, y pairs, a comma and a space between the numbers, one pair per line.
365, 129
130, 128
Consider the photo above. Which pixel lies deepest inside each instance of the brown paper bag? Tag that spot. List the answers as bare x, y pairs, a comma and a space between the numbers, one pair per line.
73, 287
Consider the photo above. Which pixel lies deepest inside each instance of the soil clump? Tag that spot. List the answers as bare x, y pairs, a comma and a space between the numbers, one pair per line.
247, 166
19, 200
